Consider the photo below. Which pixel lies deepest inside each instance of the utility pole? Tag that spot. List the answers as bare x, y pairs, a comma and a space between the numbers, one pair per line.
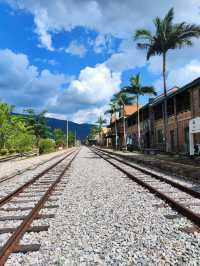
67, 135
124, 123
75, 138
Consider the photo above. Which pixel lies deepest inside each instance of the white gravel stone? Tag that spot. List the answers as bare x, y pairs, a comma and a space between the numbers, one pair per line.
106, 219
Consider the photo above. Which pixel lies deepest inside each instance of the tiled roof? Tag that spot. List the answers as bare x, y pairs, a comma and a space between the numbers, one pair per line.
130, 109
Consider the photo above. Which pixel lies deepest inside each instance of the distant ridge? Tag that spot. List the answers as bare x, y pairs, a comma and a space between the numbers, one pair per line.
82, 130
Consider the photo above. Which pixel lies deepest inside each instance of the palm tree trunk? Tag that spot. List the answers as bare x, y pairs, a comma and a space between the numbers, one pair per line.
115, 132
124, 125
138, 122
165, 103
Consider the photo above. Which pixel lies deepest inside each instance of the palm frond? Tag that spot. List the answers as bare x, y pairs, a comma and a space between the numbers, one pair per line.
143, 34
150, 90
127, 89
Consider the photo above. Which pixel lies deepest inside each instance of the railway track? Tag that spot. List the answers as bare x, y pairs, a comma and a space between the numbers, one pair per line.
17, 156
29, 203
181, 198
6, 178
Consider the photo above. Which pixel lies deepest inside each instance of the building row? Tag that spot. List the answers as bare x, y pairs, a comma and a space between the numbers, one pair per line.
183, 105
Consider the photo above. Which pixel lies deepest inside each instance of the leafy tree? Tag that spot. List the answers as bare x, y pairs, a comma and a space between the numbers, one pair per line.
19, 138
135, 88
71, 138
93, 132
167, 36
113, 109
46, 145
100, 122
38, 124
5, 122
59, 137
123, 99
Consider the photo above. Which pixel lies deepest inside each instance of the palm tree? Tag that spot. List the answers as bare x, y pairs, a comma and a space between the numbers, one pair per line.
168, 35
100, 122
138, 90
114, 108
123, 99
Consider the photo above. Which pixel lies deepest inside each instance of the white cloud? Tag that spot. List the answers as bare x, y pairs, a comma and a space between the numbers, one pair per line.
181, 76
82, 99
22, 84
103, 43
41, 21
93, 88
76, 49
127, 57
89, 115
106, 17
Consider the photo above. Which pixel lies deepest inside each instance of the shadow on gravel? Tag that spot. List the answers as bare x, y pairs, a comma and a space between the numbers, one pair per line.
196, 188
90, 157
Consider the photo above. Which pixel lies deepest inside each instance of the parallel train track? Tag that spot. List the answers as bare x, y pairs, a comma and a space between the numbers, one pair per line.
182, 198
32, 197
6, 178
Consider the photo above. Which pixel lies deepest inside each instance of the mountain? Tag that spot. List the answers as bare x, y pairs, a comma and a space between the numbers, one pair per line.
82, 130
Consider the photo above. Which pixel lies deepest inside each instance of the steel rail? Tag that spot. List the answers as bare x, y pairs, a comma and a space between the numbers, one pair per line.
188, 190
12, 243
5, 178
174, 204
28, 183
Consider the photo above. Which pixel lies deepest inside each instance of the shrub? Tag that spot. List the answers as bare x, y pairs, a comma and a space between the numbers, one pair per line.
11, 150
60, 143
46, 145
3, 152
21, 142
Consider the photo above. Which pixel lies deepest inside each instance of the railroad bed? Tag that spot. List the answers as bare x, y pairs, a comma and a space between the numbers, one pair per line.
183, 198
18, 166
105, 218
23, 209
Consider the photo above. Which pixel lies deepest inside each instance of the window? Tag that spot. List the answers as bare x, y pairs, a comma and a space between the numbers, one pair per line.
183, 102
158, 109
159, 136
199, 97
170, 106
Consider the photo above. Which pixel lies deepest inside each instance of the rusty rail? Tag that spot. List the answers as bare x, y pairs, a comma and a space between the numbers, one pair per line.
13, 242
20, 189
174, 204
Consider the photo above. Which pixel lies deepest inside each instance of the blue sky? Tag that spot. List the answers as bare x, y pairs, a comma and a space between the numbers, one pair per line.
70, 56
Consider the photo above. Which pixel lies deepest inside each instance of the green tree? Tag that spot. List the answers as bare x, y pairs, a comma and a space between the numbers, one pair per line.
135, 88
19, 137
59, 137
113, 109
5, 122
167, 36
93, 133
38, 124
100, 122
123, 99
71, 139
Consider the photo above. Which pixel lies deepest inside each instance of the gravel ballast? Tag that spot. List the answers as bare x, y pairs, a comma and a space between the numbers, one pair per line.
104, 218
12, 167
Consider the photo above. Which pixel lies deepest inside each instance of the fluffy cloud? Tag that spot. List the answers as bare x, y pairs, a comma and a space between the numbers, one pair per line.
76, 49
93, 89
81, 99
181, 76
106, 17
88, 115
22, 84
127, 57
